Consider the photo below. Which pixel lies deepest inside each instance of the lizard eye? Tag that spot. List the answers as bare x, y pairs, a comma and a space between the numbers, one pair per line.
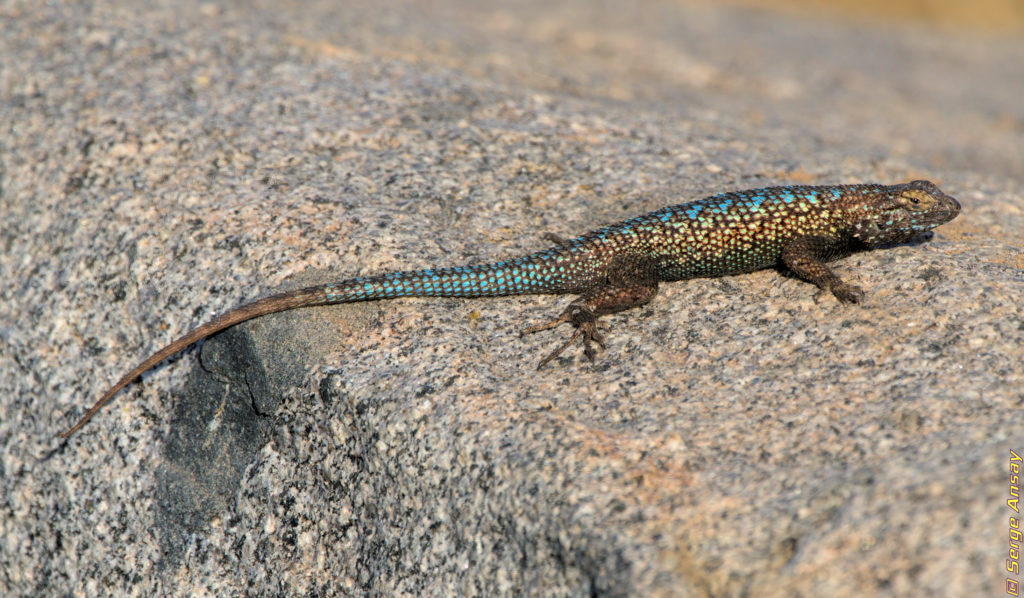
915, 197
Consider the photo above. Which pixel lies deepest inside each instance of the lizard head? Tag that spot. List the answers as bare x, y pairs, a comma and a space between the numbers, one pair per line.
898, 213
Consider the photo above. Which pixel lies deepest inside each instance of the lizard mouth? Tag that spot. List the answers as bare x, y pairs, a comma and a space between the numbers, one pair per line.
947, 209
954, 209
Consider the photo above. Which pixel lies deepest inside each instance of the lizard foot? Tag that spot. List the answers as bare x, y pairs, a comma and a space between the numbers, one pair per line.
844, 292
848, 293
557, 240
586, 329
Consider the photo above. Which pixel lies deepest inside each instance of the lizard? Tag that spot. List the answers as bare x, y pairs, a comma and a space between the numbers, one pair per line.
620, 266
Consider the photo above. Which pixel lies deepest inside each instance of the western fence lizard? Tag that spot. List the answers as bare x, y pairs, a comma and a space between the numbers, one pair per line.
619, 266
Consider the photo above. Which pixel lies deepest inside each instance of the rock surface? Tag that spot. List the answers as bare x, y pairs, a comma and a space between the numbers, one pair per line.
740, 436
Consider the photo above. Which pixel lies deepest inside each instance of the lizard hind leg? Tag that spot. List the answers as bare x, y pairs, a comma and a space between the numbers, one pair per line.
586, 329
588, 307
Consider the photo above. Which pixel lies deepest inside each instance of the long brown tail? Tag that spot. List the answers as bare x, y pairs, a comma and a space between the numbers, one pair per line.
535, 273
281, 302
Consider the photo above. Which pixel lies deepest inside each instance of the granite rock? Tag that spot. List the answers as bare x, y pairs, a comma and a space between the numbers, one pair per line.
739, 436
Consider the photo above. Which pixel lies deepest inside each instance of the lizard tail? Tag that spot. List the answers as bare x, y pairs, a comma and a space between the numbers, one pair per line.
531, 274
284, 301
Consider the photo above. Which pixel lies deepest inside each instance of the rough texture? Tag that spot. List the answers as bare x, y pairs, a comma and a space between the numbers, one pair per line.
160, 165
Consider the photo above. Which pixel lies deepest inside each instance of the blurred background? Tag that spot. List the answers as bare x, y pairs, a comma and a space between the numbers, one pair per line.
939, 82
161, 162
983, 16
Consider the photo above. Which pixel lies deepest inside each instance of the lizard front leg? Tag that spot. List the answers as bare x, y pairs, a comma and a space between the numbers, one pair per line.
806, 257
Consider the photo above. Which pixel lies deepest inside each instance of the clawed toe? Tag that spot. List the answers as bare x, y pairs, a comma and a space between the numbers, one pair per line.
586, 331
632, 282
848, 293
558, 351
546, 325
591, 334
845, 293
557, 240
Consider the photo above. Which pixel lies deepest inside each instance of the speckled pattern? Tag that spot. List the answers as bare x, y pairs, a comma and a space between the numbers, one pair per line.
733, 232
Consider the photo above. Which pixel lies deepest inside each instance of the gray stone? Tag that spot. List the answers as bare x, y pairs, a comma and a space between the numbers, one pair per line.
739, 436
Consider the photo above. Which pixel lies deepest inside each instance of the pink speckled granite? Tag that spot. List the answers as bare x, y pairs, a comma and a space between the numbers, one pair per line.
740, 436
